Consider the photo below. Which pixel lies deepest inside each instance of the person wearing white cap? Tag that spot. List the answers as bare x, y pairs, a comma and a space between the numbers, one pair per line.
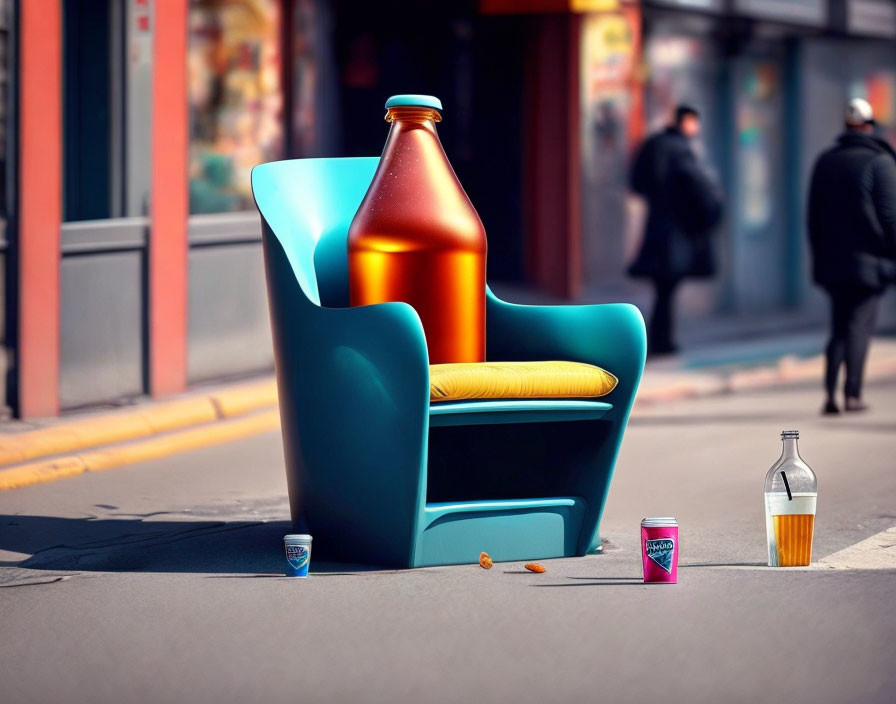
859, 115
852, 233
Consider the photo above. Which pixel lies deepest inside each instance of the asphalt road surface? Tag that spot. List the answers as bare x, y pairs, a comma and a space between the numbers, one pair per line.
161, 582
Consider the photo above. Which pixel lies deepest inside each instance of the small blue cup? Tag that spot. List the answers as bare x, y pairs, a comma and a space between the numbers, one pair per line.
298, 554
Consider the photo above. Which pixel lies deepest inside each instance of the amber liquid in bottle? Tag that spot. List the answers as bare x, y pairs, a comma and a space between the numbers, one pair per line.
417, 238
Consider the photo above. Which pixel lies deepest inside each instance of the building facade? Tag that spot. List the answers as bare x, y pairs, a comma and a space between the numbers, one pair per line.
771, 78
129, 247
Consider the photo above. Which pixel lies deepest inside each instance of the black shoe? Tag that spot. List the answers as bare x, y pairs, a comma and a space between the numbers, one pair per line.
854, 405
830, 408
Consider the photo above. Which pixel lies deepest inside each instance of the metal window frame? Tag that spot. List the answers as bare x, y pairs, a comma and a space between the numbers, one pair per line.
106, 235
216, 229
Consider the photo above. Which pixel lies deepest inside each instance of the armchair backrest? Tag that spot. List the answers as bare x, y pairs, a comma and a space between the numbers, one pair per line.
308, 205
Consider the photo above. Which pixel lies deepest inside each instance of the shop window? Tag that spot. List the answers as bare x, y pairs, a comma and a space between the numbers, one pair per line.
236, 96
87, 93
107, 74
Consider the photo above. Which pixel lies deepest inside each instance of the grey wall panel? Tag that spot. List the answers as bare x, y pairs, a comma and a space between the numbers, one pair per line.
229, 330
102, 337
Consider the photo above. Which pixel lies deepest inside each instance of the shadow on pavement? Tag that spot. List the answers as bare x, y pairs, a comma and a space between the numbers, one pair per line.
136, 545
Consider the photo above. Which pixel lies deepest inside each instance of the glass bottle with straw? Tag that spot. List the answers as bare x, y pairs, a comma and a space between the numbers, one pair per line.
791, 492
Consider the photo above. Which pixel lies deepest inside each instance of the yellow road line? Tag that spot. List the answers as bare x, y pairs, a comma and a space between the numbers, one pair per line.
128, 453
44, 471
119, 426
66, 437
238, 400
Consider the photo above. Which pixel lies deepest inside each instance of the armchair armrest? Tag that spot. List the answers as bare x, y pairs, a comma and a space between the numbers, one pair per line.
370, 357
611, 336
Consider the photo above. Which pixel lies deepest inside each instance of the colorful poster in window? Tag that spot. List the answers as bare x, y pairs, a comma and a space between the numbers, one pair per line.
611, 122
758, 113
236, 99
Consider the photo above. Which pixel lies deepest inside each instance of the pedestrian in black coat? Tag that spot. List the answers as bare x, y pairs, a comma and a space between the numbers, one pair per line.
684, 205
852, 233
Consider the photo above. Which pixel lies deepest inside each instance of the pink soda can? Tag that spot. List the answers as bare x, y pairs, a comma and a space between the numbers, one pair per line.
659, 550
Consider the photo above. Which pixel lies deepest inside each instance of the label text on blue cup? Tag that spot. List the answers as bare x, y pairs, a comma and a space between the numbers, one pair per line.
297, 556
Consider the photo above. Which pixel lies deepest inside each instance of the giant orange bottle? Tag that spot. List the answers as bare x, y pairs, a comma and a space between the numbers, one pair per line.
417, 238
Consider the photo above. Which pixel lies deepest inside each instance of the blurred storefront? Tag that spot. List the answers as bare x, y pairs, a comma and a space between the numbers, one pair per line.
771, 78
129, 247
136, 261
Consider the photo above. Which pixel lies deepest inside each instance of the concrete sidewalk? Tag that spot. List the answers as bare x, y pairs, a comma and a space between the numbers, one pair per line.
163, 583
51, 449
751, 365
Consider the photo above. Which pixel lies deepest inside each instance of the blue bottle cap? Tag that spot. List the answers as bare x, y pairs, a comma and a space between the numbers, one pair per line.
410, 99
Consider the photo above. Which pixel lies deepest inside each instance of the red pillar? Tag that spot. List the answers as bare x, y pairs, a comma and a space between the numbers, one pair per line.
552, 159
169, 206
40, 206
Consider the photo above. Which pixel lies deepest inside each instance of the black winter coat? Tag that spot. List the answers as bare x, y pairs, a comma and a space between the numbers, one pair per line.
684, 207
852, 213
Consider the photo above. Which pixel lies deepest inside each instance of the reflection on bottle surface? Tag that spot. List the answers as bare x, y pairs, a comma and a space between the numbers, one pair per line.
417, 238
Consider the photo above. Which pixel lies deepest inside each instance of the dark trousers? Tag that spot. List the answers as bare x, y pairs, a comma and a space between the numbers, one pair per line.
660, 332
853, 316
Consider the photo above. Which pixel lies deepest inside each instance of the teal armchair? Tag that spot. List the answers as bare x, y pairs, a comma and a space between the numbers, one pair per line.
378, 474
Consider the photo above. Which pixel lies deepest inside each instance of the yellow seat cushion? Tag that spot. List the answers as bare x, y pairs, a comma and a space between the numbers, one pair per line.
493, 380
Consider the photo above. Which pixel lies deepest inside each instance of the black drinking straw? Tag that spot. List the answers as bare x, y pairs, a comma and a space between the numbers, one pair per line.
787, 486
